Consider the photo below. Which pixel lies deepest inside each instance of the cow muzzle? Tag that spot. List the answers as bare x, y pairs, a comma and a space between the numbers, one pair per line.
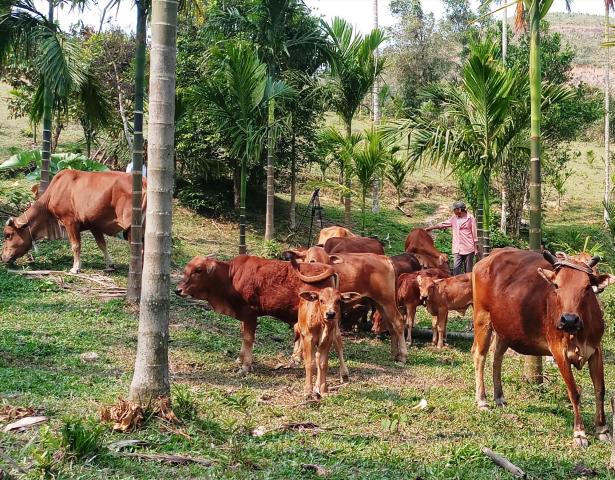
330, 315
570, 323
180, 291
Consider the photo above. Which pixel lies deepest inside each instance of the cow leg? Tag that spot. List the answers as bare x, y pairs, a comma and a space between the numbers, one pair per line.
102, 244
434, 330
498, 356
441, 326
399, 350
596, 371
322, 366
295, 358
344, 374
248, 332
480, 348
410, 316
74, 237
308, 357
579, 439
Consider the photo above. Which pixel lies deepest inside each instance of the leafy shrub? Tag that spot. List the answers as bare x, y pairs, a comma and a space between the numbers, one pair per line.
271, 249
500, 240
184, 403
82, 438
58, 161
211, 198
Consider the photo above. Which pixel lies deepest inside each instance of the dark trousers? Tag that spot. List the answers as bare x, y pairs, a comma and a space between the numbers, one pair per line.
463, 262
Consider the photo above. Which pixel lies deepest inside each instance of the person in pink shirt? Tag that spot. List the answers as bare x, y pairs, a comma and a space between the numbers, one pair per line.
465, 238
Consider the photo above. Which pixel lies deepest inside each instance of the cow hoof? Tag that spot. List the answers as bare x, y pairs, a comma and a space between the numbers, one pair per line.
75, 270
110, 268
482, 405
245, 370
580, 440
501, 402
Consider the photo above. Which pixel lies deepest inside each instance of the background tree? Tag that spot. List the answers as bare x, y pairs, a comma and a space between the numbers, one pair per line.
396, 171
151, 374
354, 69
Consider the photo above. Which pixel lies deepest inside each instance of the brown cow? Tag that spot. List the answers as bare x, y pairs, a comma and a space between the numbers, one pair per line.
353, 245
442, 295
420, 243
373, 276
248, 287
540, 306
318, 327
330, 232
73, 202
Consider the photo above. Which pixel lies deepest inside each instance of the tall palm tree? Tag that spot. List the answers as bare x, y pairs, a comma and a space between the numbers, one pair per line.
236, 97
28, 35
354, 68
151, 374
376, 113
608, 5
504, 55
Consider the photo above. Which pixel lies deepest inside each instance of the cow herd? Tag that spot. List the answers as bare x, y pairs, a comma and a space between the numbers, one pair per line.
536, 304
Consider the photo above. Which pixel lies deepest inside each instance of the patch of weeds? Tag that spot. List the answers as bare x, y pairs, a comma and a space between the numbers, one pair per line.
271, 249
184, 403
82, 438
46, 458
394, 421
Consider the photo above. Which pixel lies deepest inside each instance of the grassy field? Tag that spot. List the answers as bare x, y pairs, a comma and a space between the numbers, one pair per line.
258, 427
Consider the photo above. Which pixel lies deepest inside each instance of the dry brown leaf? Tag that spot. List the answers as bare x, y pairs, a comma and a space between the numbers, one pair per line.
9, 413
317, 469
127, 416
24, 423
163, 410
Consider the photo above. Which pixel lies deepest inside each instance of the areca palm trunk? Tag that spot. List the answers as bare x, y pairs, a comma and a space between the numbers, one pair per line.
242, 211
607, 108
136, 228
376, 107
47, 119
293, 184
504, 211
151, 374
532, 370
269, 225
348, 184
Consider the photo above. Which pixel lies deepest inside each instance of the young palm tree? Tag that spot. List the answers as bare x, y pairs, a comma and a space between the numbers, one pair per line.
396, 172
354, 68
368, 164
151, 374
27, 35
236, 97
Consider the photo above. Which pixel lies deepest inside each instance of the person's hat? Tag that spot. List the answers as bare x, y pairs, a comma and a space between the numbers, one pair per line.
460, 205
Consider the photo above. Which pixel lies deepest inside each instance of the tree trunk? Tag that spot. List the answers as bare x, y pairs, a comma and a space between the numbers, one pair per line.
151, 374
237, 188
120, 100
486, 201
532, 370
133, 292
293, 185
504, 210
376, 109
269, 225
47, 117
347, 199
480, 218
242, 211
607, 111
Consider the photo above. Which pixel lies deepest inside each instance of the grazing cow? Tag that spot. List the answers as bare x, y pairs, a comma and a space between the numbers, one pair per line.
353, 245
540, 306
330, 232
442, 295
318, 327
73, 202
248, 287
420, 243
373, 276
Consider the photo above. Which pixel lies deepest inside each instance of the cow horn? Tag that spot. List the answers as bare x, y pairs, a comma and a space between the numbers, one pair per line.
10, 222
594, 261
548, 256
329, 271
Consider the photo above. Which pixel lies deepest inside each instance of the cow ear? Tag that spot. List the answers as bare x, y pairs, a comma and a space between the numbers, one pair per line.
309, 295
603, 281
10, 222
19, 223
438, 280
293, 254
335, 259
548, 275
349, 297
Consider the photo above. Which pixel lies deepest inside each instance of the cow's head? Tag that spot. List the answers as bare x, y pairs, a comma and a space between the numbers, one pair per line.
199, 278
17, 239
572, 282
426, 285
315, 254
329, 302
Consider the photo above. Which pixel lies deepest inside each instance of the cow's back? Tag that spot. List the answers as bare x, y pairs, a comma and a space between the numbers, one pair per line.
507, 285
100, 200
337, 245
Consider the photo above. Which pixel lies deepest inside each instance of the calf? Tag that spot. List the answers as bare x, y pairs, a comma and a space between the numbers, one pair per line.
441, 295
318, 327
